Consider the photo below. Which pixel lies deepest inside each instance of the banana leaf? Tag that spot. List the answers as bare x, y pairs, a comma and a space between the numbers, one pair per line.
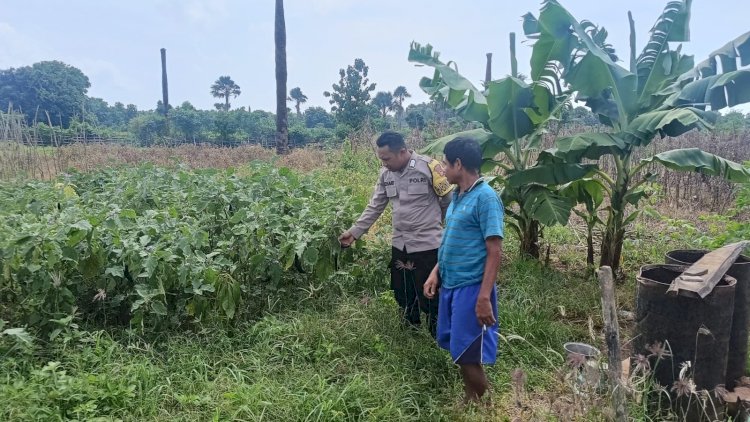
672, 122
547, 206
551, 174
449, 85
491, 144
585, 191
693, 159
591, 146
656, 64
705, 85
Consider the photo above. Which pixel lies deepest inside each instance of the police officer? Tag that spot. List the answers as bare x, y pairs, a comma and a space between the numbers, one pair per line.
417, 188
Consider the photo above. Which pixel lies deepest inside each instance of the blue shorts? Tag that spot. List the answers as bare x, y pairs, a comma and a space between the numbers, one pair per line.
459, 330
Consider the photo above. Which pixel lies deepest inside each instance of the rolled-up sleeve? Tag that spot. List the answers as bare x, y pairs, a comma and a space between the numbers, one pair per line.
374, 209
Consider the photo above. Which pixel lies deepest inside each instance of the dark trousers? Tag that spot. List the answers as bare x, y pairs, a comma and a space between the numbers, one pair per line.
409, 271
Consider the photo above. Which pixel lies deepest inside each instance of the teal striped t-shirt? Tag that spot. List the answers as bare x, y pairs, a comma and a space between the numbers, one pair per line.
472, 217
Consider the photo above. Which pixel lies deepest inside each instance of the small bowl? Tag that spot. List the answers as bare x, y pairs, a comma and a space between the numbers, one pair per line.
587, 350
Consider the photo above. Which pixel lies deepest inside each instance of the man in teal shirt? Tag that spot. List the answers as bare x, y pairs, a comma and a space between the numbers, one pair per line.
468, 262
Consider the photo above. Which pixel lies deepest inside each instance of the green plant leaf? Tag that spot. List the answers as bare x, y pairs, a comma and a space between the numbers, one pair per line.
607, 88
693, 159
506, 101
447, 84
310, 256
19, 334
718, 91
705, 85
632, 217
551, 174
547, 206
585, 191
586, 145
673, 122
491, 144
634, 197
82, 225
656, 64
116, 270
158, 307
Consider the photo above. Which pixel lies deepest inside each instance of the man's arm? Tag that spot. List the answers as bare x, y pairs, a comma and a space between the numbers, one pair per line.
444, 202
375, 208
484, 312
431, 284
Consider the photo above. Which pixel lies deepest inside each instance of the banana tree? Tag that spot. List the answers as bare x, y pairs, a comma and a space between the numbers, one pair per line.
661, 93
513, 116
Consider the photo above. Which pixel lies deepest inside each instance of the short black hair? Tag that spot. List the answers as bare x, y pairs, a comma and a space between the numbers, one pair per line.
393, 140
466, 149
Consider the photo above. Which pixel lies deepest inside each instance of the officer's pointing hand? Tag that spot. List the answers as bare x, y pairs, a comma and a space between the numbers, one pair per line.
346, 239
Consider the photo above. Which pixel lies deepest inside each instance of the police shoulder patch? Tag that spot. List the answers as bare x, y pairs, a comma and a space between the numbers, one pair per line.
439, 182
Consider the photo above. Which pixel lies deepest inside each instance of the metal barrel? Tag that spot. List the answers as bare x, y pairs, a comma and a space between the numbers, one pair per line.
695, 330
738, 339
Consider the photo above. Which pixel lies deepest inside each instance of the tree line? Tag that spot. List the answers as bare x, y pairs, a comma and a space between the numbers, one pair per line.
53, 98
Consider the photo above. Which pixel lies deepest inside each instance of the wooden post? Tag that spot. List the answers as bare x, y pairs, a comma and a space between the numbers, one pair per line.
612, 336
488, 70
164, 88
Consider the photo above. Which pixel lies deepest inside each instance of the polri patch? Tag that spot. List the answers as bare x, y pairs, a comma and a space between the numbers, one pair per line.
439, 182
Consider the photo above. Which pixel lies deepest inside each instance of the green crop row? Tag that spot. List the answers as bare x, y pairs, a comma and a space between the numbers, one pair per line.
152, 247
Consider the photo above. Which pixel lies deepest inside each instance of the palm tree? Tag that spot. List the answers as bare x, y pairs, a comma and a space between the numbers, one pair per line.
282, 126
164, 87
298, 97
384, 102
223, 88
399, 94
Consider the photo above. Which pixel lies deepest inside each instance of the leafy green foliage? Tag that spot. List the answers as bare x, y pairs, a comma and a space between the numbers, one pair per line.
319, 117
46, 87
693, 159
298, 97
733, 226
336, 357
384, 102
513, 116
155, 247
148, 128
350, 96
225, 87
661, 94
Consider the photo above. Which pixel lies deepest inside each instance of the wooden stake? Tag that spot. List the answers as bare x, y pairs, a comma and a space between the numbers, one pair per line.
612, 336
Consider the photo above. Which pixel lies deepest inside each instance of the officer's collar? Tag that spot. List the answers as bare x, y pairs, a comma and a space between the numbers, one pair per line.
411, 164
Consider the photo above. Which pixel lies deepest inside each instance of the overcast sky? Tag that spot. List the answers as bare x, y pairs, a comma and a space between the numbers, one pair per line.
116, 43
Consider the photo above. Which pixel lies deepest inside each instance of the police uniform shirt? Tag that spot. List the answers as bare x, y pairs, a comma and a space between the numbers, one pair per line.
420, 195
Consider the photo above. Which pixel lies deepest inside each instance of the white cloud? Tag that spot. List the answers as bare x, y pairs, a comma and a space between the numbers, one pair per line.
104, 73
206, 13
16, 49
322, 7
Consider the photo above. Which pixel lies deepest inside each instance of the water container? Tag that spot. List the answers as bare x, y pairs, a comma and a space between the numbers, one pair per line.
697, 330
737, 358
